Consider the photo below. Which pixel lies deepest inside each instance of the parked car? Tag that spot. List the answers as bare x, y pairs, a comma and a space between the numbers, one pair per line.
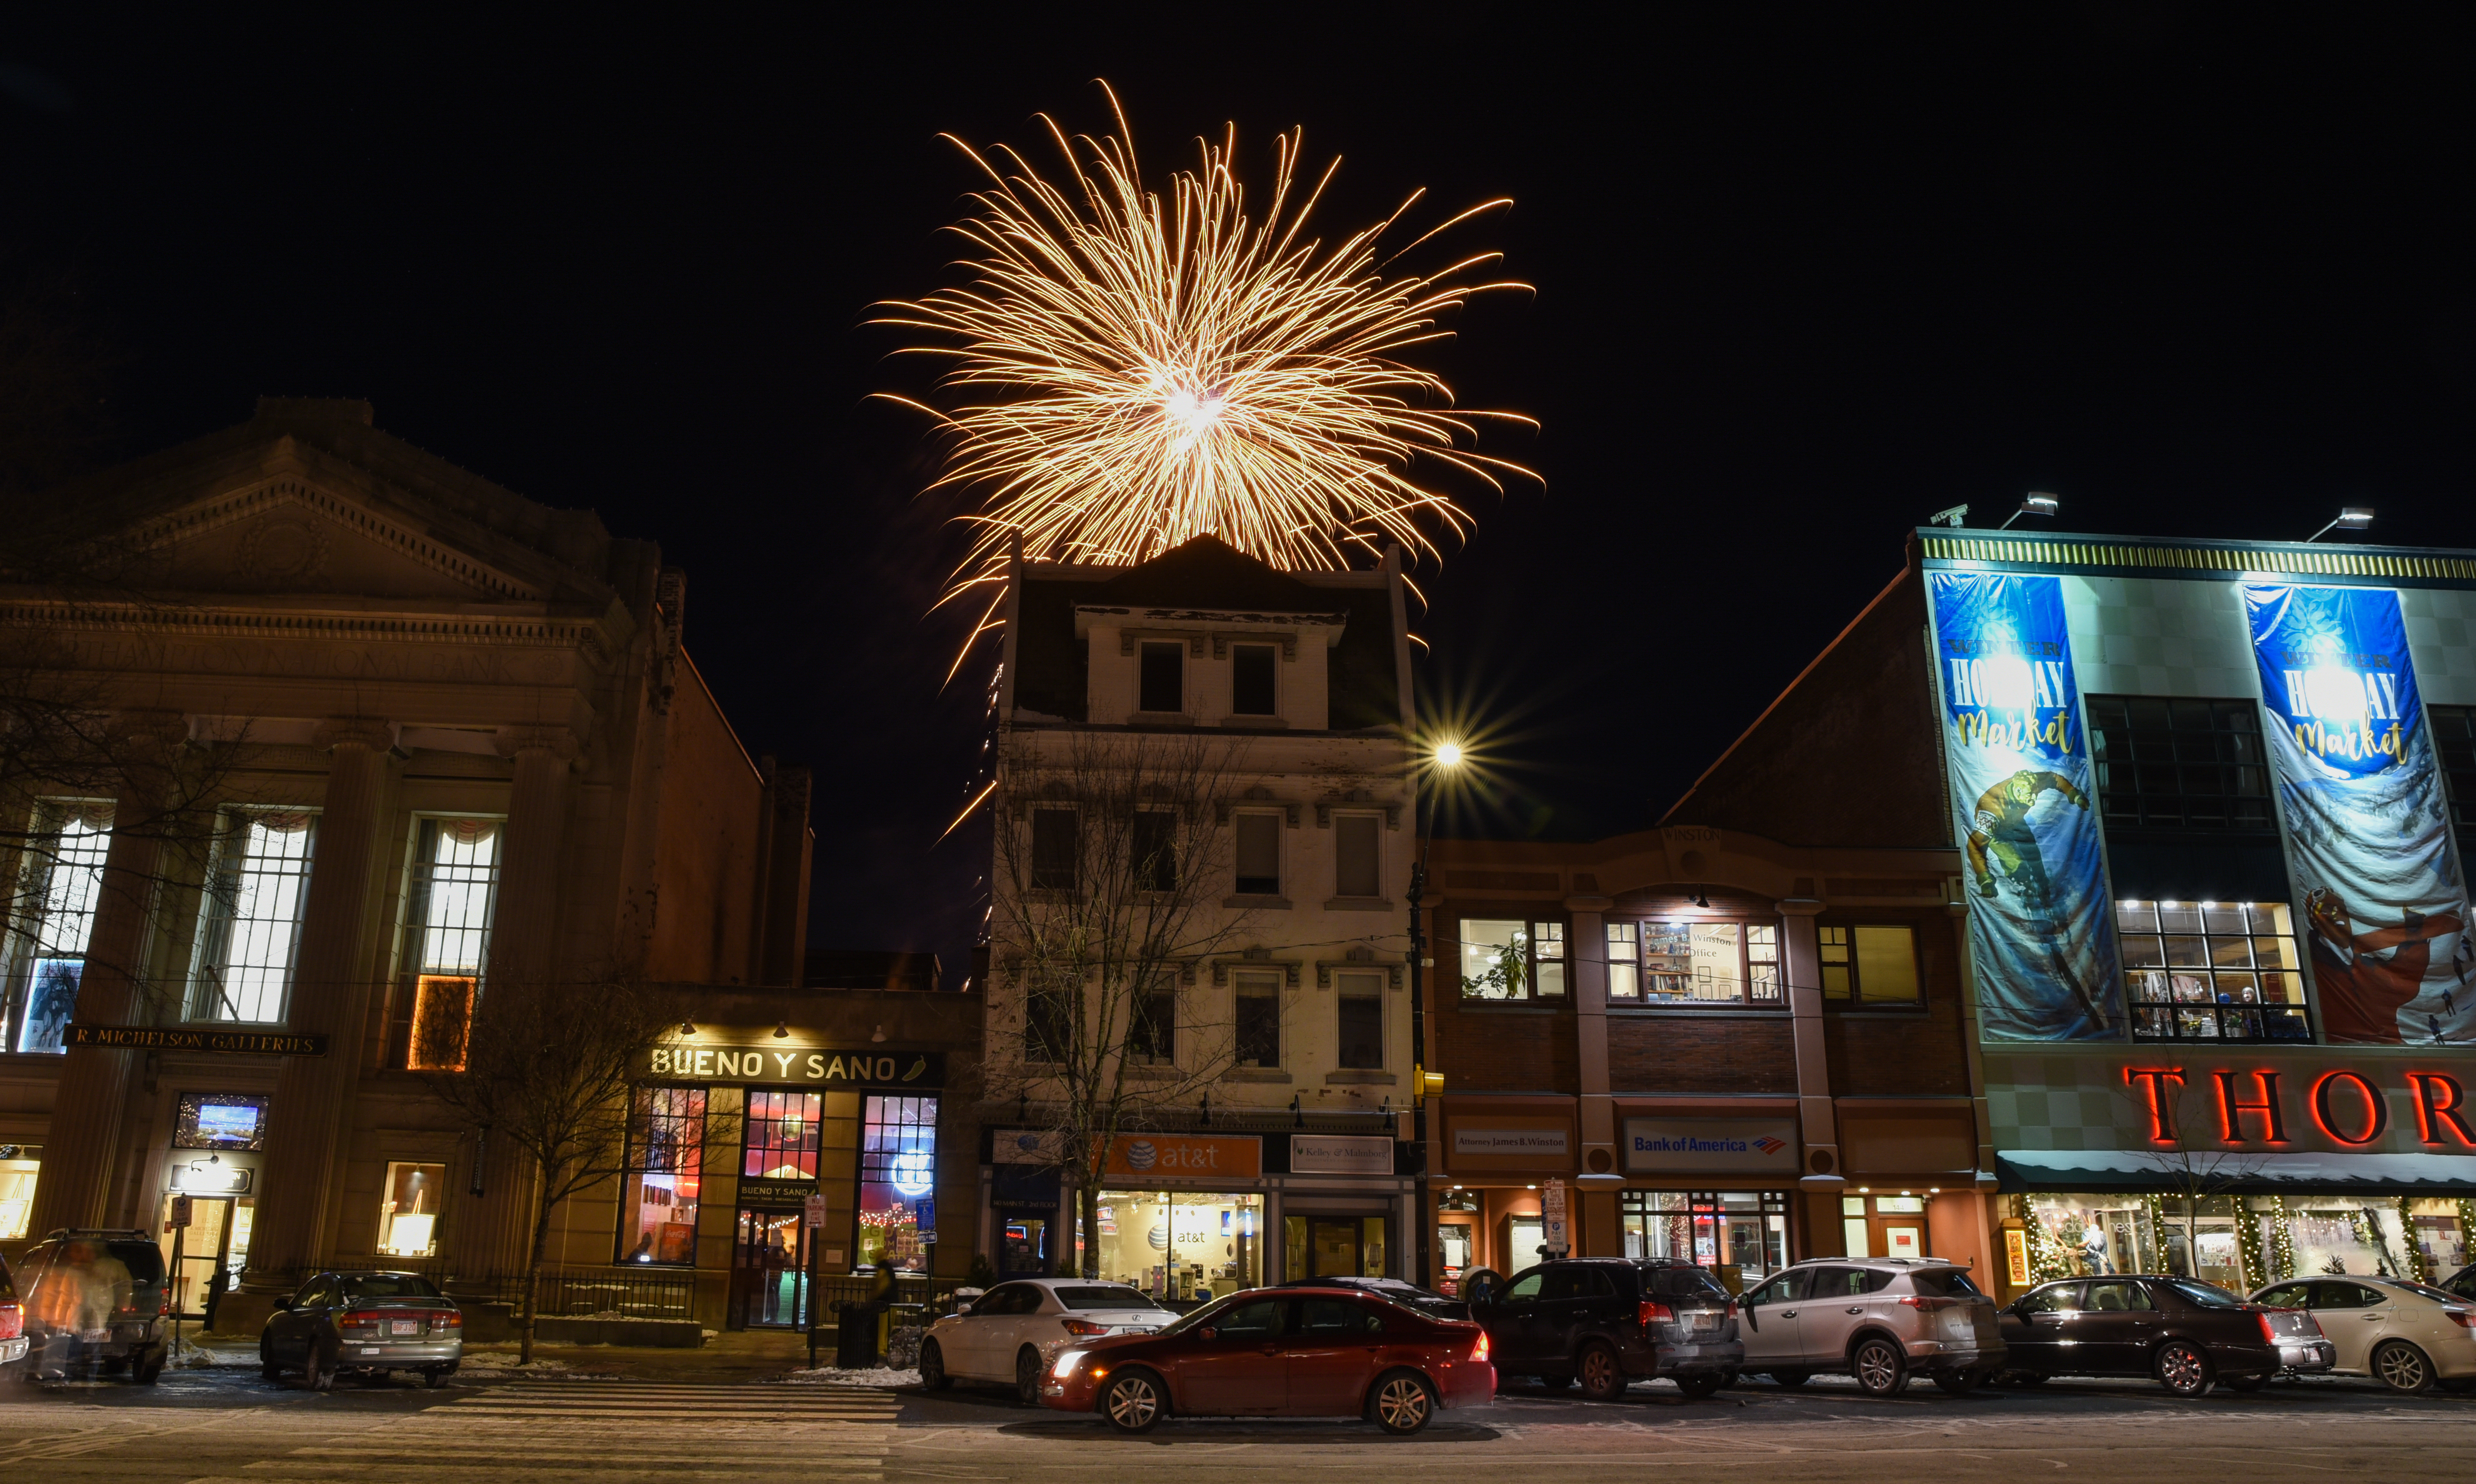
2183, 1332
1610, 1321
2408, 1336
366, 1322
13, 1343
95, 1303
1881, 1320
1013, 1331
1426, 1302
2460, 1284
1291, 1352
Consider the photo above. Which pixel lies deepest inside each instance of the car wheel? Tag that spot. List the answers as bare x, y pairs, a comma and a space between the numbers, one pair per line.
932, 1366
148, 1368
1027, 1376
1791, 1379
1958, 1383
436, 1375
267, 1369
321, 1371
1134, 1401
2403, 1368
1401, 1403
1602, 1374
1880, 1369
1698, 1388
2181, 1368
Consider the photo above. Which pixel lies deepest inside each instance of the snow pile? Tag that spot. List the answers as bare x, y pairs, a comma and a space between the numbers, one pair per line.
833, 1375
508, 1364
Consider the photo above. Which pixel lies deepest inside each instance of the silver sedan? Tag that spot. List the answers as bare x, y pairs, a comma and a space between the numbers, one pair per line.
2408, 1336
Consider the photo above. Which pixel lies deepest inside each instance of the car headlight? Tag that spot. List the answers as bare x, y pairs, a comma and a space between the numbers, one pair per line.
1067, 1361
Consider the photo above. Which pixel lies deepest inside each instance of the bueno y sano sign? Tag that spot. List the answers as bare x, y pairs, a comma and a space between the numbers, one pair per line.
778, 1063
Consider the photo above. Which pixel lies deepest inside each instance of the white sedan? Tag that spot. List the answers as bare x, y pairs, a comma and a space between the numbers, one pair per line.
1012, 1332
2407, 1336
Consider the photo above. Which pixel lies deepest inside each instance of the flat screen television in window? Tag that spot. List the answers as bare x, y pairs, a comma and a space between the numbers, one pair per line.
220, 1120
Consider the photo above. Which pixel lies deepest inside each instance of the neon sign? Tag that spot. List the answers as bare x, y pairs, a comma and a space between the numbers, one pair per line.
2347, 1107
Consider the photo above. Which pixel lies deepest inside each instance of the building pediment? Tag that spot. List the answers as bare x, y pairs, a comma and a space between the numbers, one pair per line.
295, 534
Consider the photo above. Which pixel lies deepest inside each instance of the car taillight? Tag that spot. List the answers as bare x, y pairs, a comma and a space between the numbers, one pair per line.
1925, 1303
1479, 1349
12, 1322
450, 1321
1653, 1312
2269, 1332
165, 1307
1083, 1326
2459, 1316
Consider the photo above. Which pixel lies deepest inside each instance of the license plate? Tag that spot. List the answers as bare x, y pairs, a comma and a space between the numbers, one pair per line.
372, 1351
405, 1327
1705, 1320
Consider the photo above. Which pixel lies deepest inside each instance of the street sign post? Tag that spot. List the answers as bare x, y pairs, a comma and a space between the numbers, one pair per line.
1554, 1239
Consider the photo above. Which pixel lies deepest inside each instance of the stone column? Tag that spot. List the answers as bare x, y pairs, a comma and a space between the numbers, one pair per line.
1818, 1116
494, 1236
331, 996
80, 1152
1592, 1215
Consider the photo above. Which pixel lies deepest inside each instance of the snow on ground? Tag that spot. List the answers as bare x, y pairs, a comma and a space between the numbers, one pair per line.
832, 1375
507, 1363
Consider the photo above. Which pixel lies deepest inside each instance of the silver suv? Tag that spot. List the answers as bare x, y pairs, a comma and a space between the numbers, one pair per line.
1881, 1320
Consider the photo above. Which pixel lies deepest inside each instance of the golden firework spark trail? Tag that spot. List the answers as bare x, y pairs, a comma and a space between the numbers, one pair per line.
1134, 371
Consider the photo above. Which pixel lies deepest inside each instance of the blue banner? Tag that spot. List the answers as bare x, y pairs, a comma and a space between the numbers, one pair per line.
2383, 905
2039, 929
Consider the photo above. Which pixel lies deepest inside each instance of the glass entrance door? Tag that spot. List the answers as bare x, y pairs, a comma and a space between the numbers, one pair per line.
1332, 1246
769, 1277
204, 1249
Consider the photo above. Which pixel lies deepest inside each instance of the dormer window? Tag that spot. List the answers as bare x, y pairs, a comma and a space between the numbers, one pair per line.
1162, 685
1252, 675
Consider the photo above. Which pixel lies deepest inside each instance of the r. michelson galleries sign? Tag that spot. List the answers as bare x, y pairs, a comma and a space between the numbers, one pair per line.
776, 1062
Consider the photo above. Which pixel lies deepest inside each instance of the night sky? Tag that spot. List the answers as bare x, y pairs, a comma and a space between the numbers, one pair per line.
1803, 279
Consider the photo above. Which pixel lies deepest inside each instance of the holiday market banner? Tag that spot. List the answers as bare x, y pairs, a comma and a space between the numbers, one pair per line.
2038, 910
2368, 841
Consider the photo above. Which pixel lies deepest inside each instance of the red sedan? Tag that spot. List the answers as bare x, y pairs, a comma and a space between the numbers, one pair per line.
1281, 1352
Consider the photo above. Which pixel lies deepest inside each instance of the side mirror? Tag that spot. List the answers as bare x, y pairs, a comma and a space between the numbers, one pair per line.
1208, 1333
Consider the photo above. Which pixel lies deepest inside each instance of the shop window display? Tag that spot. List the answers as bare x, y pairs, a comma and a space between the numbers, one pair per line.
1694, 961
1746, 1230
408, 1215
1180, 1245
2212, 971
2235, 1242
666, 1175
898, 1184
20, 1165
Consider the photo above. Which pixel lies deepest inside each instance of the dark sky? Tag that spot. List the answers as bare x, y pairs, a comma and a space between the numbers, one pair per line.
1804, 278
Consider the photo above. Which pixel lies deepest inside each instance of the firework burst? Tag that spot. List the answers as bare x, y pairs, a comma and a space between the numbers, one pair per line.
1130, 370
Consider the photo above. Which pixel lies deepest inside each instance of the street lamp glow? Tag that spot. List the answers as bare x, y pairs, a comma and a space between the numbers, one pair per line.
1448, 754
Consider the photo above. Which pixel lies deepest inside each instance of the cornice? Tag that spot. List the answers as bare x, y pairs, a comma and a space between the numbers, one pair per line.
2139, 557
588, 634
225, 509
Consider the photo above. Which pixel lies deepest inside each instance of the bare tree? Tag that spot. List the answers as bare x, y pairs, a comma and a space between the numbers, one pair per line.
2174, 1110
545, 1066
1111, 865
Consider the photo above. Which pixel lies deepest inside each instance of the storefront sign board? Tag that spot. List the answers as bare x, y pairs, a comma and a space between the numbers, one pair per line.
1186, 1156
1544, 1144
772, 1061
222, 1043
1710, 1145
2162, 1100
1340, 1154
784, 1194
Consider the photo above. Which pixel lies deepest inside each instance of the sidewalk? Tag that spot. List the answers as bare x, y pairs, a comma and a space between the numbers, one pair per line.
728, 1358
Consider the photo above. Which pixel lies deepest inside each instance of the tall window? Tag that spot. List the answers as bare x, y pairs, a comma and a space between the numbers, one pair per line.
2453, 735
1259, 854
1154, 846
454, 888
1744, 1229
1163, 683
1512, 958
1870, 963
1251, 673
1056, 850
898, 1182
2190, 764
62, 883
1151, 1030
657, 1209
249, 926
409, 1213
1694, 961
1359, 1014
1258, 1019
2212, 971
1358, 856
781, 1136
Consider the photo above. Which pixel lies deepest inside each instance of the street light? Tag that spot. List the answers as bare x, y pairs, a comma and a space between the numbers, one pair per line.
2355, 517
1444, 756
2042, 506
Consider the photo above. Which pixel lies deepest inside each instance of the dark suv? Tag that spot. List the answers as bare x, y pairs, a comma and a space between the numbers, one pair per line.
95, 1300
1610, 1321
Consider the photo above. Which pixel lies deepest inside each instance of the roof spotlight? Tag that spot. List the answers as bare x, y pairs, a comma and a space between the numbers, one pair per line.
2043, 506
2355, 517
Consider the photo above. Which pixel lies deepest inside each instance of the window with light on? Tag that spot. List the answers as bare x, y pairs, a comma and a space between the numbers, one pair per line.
898, 1184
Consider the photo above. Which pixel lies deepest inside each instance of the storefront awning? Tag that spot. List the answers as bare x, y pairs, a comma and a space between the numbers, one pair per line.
2249, 1175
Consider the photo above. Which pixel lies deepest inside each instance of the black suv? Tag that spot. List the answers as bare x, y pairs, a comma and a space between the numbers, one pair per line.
95, 1300
1610, 1321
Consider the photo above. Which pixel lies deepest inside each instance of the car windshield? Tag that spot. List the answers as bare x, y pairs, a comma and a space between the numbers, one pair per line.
2208, 1295
1944, 1283
1105, 1296
388, 1285
1200, 1316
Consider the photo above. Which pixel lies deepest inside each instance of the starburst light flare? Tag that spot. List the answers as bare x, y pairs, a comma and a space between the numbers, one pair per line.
1131, 370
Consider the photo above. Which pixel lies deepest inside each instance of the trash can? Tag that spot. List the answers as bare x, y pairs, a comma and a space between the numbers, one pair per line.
855, 1335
